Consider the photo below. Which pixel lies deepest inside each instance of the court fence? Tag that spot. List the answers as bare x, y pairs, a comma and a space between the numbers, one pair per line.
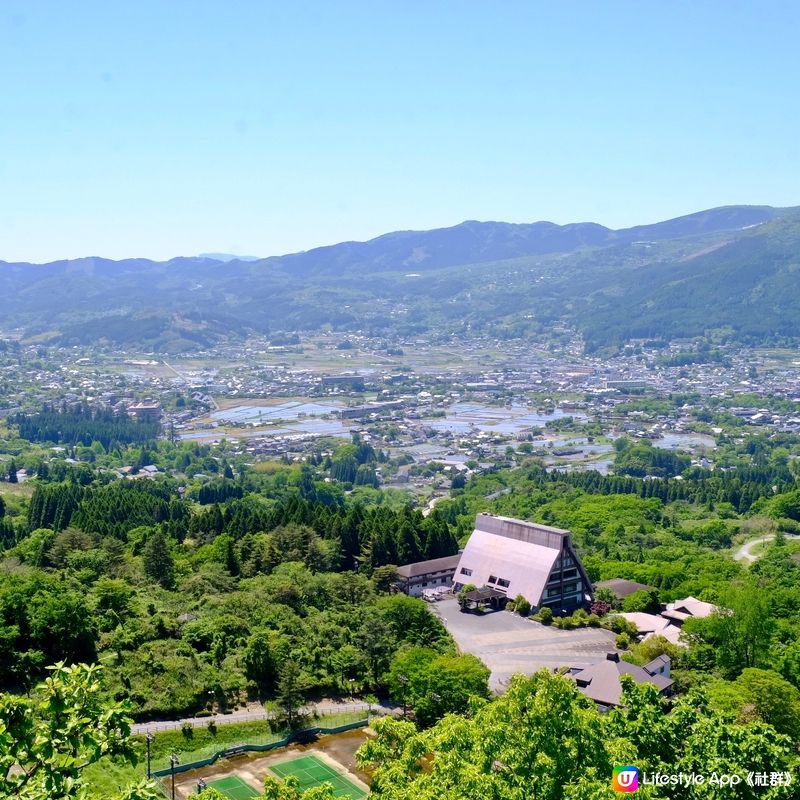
301, 736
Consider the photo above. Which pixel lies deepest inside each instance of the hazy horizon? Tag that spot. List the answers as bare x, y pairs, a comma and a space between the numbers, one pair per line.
251, 257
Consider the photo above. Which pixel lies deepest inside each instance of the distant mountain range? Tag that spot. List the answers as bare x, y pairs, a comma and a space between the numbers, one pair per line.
732, 270
227, 257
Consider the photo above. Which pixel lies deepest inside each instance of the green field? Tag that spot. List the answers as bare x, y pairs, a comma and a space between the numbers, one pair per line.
311, 771
234, 787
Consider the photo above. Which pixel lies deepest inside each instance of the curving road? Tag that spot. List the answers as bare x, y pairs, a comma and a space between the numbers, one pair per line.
744, 553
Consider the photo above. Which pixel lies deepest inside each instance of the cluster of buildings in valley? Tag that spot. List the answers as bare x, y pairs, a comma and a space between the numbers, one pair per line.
436, 422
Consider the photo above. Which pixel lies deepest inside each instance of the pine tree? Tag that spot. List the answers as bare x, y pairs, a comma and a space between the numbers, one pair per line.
290, 694
231, 560
157, 559
408, 550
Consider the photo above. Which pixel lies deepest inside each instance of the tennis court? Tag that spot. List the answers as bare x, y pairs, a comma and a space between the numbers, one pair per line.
235, 788
311, 771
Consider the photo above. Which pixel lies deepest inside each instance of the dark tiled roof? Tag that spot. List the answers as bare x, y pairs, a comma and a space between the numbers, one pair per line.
426, 567
484, 593
622, 588
601, 681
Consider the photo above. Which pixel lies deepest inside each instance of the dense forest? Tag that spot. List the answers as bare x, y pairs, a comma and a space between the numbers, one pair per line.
84, 426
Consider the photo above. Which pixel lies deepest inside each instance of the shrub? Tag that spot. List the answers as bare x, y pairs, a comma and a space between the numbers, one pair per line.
600, 608
187, 730
212, 727
620, 625
522, 606
623, 641
462, 595
643, 600
545, 616
604, 595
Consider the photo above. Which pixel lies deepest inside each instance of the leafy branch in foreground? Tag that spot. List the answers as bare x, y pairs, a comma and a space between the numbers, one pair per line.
48, 738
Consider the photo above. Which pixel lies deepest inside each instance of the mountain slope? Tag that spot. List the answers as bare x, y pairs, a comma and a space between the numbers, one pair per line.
750, 285
732, 267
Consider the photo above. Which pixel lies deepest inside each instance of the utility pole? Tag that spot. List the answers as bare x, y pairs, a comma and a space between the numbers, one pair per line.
173, 762
149, 738
403, 679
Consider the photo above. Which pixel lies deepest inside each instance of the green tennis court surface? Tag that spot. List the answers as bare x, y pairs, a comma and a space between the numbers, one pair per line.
235, 788
311, 771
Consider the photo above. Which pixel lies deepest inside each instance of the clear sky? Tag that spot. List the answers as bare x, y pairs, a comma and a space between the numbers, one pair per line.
158, 128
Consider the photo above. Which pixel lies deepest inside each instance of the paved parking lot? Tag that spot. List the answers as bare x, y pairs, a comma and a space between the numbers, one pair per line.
508, 644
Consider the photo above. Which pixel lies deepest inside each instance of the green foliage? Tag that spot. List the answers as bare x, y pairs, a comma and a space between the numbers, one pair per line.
50, 737
84, 426
741, 631
261, 659
436, 684
53, 505
290, 690
785, 505
543, 733
522, 606
157, 559
759, 694
219, 491
643, 459
462, 595
288, 789
544, 615
644, 600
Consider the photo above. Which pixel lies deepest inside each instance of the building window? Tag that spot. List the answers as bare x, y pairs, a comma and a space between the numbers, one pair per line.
465, 571
570, 573
504, 583
492, 579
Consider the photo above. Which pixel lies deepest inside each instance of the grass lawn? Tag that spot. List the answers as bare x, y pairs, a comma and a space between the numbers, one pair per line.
17, 489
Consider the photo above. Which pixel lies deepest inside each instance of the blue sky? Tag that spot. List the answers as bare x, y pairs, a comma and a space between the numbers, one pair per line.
167, 128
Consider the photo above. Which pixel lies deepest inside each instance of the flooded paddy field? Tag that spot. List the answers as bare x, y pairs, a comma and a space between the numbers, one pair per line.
291, 410
508, 420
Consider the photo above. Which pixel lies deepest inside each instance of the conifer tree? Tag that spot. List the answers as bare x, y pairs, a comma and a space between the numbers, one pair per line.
157, 559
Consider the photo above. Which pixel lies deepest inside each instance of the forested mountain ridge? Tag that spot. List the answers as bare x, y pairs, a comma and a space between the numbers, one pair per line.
735, 262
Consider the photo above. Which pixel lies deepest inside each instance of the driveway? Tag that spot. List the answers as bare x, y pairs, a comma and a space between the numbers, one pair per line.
509, 644
745, 552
